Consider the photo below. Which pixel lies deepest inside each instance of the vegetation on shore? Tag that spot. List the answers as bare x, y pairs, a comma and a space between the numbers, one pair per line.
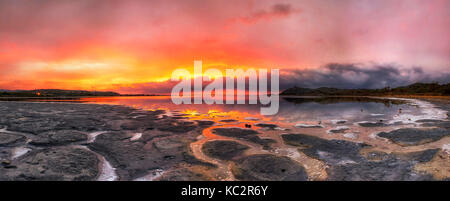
417, 89
43, 93
55, 93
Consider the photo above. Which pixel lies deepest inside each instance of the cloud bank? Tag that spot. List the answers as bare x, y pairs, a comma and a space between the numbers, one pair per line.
353, 76
347, 76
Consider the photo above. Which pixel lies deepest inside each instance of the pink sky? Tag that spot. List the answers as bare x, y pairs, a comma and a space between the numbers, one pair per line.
113, 44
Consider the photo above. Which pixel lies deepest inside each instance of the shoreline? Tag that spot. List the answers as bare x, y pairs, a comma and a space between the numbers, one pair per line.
47, 97
374, 96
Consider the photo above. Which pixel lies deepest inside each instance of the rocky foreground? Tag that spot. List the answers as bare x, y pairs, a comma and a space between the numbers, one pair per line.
58, 141
61, 141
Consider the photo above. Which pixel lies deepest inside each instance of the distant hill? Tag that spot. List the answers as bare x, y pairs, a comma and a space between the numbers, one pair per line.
54, 93
425, 89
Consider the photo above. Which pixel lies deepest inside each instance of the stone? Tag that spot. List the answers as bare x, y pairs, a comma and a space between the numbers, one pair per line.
62, 163
244, 134
58, 137
222, 149
372, 124
267, 167
415, 136
7, 139
265, 125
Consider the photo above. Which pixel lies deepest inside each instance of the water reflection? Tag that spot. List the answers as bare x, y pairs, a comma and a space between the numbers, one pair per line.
292, 109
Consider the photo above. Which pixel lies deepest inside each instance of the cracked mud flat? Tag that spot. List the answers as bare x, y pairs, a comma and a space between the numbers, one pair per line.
60, 141
73, 141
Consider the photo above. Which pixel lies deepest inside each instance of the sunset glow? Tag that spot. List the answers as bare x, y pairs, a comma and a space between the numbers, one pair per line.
133, 46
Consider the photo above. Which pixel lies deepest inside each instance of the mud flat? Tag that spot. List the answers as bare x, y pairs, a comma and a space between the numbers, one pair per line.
58, 137
414, 136
347, 162
372, 124
72, 141
266, 167
132, 142
62, 163
133, 159
249, 135
8, 139
223, 149
266, 125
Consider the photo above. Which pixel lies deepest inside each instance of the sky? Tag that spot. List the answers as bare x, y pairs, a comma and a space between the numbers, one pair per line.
132, 46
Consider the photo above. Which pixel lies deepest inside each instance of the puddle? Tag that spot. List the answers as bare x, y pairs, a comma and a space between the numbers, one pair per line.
92, 136
155, 174
136, 136
107, 173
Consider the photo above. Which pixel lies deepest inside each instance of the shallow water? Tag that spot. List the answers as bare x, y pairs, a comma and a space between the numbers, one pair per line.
294, 110
336, 117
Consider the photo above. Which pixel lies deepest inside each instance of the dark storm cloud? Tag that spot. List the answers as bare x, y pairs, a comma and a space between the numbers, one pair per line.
282, 9
346, 76
275, 11
356, 76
